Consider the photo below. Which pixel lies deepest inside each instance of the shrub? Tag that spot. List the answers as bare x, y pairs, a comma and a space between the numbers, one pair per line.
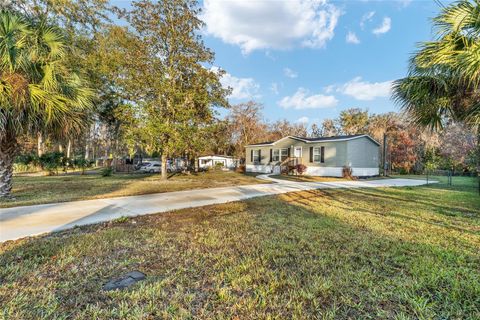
301, 168
81, 163
241, 168
106, 172
21, 168
51, 161
347, 173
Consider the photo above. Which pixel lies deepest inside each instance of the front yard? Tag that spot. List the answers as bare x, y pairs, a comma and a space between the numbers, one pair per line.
392, 253
30, 190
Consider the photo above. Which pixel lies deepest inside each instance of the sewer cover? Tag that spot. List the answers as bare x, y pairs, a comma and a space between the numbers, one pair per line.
125, 281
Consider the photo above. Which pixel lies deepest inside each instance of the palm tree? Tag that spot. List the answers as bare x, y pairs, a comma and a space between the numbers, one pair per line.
444, 77
38, 92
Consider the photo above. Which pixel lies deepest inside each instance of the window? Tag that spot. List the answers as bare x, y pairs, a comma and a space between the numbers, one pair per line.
275, 154
319, 154
284, 154
256, 156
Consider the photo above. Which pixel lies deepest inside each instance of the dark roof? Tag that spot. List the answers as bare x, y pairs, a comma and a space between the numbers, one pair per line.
329, 138
317, 139
260, 143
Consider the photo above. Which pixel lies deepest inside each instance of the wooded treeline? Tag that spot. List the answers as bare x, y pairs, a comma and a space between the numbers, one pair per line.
86, 79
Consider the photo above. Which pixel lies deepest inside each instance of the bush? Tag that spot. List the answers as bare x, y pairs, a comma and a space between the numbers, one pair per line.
218, 166
301, 168
51, 161
347, 173
106, 172
241, 168
82, 163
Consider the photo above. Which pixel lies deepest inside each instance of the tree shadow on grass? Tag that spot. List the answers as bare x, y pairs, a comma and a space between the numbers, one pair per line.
279, 256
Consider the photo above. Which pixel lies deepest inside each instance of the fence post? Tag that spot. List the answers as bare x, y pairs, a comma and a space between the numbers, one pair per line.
427, 176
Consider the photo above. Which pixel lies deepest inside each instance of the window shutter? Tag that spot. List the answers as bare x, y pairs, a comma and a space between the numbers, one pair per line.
271, 158
288, 154
259, 156
322, 154
251, 155
311, 154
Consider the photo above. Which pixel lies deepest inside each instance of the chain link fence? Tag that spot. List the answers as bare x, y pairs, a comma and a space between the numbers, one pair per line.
467, 181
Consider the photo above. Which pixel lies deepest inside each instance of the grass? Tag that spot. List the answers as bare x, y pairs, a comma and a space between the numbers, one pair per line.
464, 183
26, 189
391, 253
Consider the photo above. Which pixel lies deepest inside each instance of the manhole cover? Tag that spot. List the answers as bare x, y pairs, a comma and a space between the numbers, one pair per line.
125, 281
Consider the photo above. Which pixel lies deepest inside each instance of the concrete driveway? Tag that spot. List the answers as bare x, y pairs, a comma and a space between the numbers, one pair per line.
25, 221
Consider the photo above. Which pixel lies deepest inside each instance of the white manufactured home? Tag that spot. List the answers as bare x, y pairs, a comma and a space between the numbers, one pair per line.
226, 162
323, 156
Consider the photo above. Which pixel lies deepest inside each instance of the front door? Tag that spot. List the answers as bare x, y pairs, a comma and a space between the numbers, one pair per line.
297, 152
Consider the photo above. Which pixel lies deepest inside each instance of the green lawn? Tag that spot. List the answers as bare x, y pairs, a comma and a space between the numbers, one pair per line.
29, 190
392, 253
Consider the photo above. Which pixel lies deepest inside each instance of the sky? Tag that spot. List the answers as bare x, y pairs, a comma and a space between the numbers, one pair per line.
307, 60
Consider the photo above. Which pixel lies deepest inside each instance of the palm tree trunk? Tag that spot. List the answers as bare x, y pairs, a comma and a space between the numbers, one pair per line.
478, 158
69, 148
8, 147
40, 144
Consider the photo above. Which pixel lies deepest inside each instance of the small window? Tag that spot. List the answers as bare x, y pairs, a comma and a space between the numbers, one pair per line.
275, 154
256, 156
319, 154
284, 154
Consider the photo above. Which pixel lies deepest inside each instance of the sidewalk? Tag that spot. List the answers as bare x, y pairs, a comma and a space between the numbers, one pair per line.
25, 221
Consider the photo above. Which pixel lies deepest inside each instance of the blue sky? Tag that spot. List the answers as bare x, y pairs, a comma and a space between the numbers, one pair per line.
303, 82
306, 60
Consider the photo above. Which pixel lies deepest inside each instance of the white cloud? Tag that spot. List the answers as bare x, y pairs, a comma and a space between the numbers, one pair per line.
242, 88
364, 90
303, 120
255, 25
290, 73
302, 100
367, 17
405, 3
384, 27
274, 87
329, 89
352, 38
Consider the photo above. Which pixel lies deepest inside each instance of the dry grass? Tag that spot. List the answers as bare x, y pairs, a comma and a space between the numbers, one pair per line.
29, 190
393, 253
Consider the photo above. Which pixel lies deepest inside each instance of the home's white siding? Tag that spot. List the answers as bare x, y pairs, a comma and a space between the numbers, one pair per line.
324, 171
315, 171
260, 168
365, 172
209, 162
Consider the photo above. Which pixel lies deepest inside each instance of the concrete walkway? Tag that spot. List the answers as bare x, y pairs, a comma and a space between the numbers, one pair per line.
25, 221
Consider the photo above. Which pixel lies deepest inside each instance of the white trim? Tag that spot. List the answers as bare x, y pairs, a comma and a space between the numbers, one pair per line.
365, 172
307, 141
262, 168
317, 171
324, 171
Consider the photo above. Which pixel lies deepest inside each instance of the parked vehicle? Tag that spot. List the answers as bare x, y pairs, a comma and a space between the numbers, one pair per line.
141, 164
150, 167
